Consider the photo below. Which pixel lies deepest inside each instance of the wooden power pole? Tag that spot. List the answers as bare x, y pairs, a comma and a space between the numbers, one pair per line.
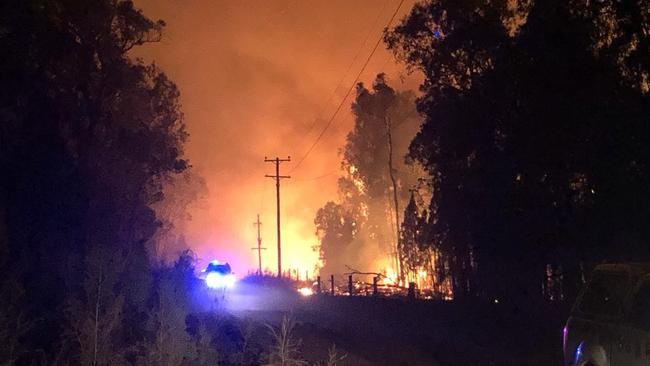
277, 178
259, 245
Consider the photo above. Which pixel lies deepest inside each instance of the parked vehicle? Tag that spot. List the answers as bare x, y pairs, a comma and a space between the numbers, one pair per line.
609, 324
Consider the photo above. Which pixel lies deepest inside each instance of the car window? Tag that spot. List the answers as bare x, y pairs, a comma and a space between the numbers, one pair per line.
604, 295
640, 309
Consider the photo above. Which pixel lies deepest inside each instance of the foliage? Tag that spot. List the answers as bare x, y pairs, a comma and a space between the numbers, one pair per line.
535, 136
385, 121
375, 183
206, 353
95, 316
13, 323
412, 244
180, 191
285, 351
334, 358
618, 32
247, 331
171, 343
86, 132
335, 229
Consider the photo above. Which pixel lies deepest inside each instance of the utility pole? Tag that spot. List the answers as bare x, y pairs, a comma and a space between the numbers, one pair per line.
277, 177
259, 245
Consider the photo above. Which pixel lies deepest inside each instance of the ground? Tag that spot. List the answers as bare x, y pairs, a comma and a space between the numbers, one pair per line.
384, 331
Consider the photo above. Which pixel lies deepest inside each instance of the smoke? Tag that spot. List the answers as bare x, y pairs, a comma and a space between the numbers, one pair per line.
257, 79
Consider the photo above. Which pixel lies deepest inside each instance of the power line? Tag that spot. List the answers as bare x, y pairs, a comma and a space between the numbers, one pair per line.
354, 59
316, 178
264, 189
347, 94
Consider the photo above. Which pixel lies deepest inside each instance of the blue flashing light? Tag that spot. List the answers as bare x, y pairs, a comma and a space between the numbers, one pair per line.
576, 358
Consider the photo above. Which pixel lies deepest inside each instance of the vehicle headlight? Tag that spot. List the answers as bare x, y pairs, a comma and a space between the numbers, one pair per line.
218, 280
213, 280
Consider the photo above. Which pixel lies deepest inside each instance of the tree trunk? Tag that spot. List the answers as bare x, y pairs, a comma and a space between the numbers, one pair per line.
391, 171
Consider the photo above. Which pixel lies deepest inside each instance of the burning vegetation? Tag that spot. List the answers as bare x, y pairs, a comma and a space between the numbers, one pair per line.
379, 224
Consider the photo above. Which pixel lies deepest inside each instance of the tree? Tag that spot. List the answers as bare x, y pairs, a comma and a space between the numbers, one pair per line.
335, 229
531, 131
180, 191
334, 357
377, 180
617, 32
95, 317
413, 258
85, 132
285, 351
172, 345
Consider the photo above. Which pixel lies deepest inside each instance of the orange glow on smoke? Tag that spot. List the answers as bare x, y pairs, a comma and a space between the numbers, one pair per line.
257, 79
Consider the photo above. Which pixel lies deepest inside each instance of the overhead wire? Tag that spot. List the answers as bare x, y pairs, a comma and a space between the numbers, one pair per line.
354, 60
347, 94
316, 178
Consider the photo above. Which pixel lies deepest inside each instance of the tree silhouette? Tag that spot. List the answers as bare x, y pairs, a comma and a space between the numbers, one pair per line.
412, 257
376, 181
335, 229
95, 317
533, 138
86, 132
171, 343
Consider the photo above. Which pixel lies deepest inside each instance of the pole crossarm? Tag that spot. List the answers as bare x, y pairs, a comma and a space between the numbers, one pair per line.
267, 160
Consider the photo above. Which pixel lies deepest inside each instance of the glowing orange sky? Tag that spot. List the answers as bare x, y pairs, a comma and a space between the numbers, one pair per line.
254, 77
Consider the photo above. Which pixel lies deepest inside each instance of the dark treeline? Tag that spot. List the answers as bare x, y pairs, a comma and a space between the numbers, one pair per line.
86, 132
536, 139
